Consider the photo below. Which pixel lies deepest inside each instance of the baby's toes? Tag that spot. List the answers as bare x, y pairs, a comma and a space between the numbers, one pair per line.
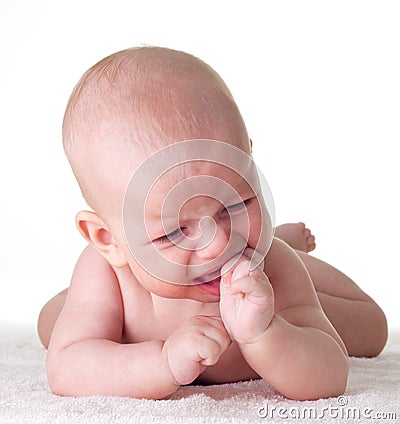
301, 226
311, 245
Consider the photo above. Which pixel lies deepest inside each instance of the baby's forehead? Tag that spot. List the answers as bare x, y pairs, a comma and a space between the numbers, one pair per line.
198, 170
187, 172
185, 183
198, 164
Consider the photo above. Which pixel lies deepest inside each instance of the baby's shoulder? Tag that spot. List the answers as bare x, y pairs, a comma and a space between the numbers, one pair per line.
93, 277
279, 251
92, 265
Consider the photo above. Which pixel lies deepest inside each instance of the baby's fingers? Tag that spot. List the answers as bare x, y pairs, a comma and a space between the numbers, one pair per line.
209, 352
243, 280
214, 341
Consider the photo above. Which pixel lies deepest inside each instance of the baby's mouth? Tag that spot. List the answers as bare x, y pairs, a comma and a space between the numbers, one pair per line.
216, 273
211, 287
208, 277
209, 283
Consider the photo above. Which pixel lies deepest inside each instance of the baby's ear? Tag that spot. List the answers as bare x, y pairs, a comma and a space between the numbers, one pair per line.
95, 231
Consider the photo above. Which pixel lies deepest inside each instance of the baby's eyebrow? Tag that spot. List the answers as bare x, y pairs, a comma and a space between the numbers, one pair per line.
159, 221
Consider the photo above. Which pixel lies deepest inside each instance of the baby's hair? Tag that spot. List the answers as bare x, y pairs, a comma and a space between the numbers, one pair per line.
137, 101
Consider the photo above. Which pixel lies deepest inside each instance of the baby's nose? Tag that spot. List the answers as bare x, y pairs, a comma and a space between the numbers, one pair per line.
215, 238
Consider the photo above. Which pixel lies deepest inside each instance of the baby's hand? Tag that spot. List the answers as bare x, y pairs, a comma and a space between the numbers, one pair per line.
196, 344
247, 301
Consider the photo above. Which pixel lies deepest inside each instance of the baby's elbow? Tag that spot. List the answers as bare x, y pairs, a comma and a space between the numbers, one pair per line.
379, 333
56, 385
54, 378
339, 385
335, 383
56, 375
331, 383
333, 389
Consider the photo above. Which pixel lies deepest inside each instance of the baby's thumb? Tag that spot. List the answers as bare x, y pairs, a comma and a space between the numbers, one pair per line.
242, 270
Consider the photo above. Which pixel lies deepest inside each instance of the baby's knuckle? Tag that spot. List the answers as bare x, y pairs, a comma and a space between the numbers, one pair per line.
196, 339
214, 351
197, 321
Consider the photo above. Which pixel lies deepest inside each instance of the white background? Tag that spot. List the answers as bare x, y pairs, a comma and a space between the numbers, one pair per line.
317, 82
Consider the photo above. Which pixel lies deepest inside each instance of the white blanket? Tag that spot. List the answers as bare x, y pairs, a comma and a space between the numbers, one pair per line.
373, 395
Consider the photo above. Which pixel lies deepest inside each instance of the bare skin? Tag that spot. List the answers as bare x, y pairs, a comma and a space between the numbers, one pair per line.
331, 288
123, 330
295, 235
340, 298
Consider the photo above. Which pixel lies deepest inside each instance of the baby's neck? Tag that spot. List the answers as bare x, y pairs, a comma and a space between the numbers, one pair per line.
185, 306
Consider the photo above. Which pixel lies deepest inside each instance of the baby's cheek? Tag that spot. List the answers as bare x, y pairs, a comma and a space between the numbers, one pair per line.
261, 233
255, 226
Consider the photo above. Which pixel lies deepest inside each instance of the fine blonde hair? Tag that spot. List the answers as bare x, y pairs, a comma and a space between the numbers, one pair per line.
136, 101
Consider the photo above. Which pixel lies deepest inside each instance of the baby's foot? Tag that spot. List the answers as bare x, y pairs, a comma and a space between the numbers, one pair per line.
297, 236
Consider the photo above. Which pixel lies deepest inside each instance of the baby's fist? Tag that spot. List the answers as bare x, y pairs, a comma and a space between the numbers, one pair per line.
196, 344
247, 301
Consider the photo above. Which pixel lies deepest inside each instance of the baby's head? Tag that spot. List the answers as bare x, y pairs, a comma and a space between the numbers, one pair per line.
135, 102
129, 106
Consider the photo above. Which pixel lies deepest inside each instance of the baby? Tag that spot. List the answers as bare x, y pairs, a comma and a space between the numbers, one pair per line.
182, 280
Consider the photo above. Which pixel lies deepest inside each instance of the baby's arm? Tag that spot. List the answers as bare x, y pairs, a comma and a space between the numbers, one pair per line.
85, 356
291, 345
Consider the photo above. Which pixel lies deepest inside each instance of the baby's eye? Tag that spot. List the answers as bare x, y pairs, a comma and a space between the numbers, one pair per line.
238, 207
173, 235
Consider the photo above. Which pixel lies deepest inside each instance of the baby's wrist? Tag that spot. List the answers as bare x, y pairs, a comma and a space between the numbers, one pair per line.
167, 367
256, 339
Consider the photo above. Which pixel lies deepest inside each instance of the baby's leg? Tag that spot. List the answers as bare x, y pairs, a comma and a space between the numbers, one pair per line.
356, 317
48, 316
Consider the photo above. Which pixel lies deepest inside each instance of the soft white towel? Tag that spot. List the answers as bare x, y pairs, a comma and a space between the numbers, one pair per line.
372, 396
